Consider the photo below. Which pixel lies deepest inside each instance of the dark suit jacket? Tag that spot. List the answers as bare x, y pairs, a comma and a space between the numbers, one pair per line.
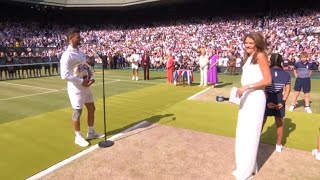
145, 60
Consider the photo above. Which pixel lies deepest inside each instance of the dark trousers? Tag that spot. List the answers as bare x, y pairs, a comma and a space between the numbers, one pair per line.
145, 72
55, 67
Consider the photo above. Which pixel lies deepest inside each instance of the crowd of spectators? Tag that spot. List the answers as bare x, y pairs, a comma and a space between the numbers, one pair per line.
287, 32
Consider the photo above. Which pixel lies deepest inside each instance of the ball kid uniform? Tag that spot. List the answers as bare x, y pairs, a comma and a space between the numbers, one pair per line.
303, 79
274, 91
78, 94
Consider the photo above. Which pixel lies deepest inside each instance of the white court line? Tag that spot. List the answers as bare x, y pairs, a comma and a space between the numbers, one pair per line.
17, 97
140, 81
115, 76
199, 93
123, 78
126, 79
34, 87
86, 151
54, 90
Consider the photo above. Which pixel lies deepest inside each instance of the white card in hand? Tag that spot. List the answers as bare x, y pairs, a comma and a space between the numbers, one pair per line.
233, 98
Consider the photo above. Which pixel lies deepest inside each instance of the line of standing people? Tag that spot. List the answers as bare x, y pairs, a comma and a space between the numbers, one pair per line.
28, 65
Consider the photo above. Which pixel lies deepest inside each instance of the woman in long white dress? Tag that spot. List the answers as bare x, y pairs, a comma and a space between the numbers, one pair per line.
203, 63
255, 77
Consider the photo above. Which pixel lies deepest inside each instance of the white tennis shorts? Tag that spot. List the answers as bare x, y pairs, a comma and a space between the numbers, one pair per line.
134, 66
78, 99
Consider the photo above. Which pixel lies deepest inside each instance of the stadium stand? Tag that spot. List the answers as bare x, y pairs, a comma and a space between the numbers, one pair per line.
110, 34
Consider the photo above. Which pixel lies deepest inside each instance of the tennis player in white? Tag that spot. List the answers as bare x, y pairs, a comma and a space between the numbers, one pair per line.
78, 88
134, 59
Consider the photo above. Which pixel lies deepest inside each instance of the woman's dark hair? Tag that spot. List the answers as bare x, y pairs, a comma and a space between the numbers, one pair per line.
276, 60
259, 43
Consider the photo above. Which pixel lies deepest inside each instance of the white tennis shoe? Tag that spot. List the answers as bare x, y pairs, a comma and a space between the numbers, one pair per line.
279, 148
81, 141
316, 154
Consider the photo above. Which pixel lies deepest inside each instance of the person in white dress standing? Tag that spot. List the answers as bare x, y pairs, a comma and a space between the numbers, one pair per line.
255, 77
203, 63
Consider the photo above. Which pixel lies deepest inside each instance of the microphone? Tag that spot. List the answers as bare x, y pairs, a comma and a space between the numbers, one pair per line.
221, 98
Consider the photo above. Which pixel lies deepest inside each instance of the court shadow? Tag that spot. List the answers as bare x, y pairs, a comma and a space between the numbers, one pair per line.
151, 120
229, 74
146, 127
220, 85
289, 127
269, 137
300, 103
183, 84
193, 84
264, 152
155, 78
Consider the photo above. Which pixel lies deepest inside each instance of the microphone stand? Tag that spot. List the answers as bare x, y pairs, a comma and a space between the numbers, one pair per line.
105, 143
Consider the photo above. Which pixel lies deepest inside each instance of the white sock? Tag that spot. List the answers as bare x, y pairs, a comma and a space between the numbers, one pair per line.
90, 129
78, 134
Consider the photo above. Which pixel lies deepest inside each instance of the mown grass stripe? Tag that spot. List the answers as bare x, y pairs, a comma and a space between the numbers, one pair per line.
28, 86
48, 138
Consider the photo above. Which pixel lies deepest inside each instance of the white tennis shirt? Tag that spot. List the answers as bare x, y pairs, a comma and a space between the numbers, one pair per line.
70, 58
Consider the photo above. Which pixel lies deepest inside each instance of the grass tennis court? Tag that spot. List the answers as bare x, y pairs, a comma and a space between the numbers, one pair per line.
36, 128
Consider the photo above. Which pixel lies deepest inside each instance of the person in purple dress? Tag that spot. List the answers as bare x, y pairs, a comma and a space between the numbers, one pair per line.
213, 73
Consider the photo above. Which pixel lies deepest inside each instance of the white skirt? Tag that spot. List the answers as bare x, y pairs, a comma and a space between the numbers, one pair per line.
250, 119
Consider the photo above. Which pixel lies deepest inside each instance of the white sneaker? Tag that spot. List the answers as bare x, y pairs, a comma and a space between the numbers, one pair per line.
308, 110
94, 135
316, 154
291, 108
81, 141
137, 78
279, 148
133, 78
